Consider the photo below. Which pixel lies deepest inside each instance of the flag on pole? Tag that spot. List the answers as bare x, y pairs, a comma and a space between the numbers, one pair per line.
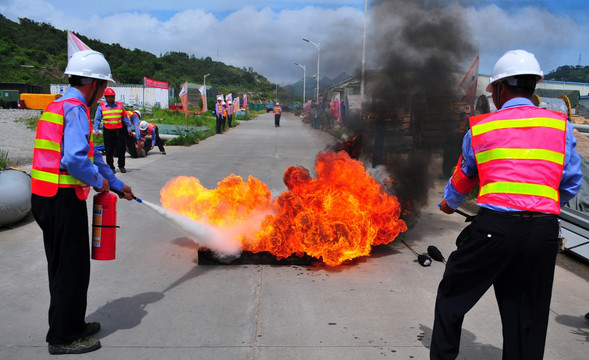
336, 107
203, 94
184, 98
244, 101
469, 82
74, 45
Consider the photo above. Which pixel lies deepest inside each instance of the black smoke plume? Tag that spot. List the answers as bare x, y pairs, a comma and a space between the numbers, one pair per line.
417, 53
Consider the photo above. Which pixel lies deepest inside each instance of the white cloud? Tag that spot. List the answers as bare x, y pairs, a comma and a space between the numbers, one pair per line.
267, 35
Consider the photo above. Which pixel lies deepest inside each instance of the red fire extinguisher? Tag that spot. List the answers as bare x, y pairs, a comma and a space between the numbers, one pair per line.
104, 224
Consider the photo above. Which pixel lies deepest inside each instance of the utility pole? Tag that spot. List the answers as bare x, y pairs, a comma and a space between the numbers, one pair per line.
304, 80
318, 46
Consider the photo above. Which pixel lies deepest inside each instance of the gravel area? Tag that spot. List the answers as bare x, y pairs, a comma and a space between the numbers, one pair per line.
15, 138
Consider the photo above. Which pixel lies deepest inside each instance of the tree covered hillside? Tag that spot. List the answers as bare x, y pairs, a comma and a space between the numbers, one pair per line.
570, 73
36, 53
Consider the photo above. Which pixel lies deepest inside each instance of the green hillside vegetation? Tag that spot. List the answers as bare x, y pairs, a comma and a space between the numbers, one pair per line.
36, 53
570, 73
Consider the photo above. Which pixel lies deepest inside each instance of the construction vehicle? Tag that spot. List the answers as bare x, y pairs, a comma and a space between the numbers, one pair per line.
9, 99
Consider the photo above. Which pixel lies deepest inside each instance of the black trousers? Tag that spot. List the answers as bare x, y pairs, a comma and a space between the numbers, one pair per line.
516, 255
130, 143
277, 119
114, 145
220, 124
64, 221
158, 142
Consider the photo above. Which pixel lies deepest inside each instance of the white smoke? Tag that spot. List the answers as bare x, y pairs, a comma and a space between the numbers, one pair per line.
223, 242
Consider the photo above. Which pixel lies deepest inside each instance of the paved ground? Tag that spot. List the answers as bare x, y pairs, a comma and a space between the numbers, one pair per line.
155, 302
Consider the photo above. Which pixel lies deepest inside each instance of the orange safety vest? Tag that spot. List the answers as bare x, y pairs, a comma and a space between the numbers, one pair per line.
112, 118
520, 157
277, 110
46, 177
149, 129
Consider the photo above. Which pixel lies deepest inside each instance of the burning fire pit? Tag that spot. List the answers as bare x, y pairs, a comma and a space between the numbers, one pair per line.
337, 216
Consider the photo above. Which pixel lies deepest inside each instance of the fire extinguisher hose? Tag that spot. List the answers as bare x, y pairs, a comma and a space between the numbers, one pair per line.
120, 193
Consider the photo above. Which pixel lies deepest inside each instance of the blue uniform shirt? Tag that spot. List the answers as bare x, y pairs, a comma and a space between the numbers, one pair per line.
75, 147
98, 117
134, 121
570, 183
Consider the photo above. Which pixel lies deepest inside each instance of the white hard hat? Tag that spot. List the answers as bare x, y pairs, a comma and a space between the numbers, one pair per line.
143, 125
138, 113
223, 103
513, 63
90, 64
230, 102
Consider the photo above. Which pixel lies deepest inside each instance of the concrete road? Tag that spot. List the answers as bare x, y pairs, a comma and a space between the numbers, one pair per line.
155, 302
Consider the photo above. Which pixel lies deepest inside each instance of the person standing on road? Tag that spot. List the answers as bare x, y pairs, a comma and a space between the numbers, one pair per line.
524, 160
64, 167
153, 131
277, 113
229, 113
219, 114
112, 114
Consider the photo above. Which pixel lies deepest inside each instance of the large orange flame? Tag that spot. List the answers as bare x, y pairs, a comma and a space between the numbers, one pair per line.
336, 216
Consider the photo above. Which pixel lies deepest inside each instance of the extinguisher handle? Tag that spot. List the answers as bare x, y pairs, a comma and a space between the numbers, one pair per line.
120, 193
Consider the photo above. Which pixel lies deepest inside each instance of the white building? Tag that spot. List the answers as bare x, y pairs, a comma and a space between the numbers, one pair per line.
136, 96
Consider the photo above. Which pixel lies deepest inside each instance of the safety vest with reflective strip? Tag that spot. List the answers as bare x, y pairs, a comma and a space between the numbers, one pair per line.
520, 157
46, 177
149, 129
112, 118
277, 110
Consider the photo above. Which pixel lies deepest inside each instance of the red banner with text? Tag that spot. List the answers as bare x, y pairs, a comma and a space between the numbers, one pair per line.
147, 82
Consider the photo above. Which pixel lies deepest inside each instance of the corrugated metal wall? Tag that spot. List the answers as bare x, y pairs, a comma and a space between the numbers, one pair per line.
130, 95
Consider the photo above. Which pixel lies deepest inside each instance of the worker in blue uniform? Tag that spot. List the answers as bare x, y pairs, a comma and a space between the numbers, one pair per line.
64, 167
524, 161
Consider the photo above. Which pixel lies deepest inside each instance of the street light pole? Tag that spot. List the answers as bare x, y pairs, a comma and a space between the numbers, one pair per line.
362, 81
318, 46
204, 80
304, 80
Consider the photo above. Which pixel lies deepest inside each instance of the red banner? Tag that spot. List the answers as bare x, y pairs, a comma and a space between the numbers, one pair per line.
155, 84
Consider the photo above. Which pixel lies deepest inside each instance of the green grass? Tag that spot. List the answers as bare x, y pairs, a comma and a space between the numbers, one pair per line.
31, 123
5, 162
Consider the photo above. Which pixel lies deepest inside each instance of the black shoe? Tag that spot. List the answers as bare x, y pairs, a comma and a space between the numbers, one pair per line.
163, 152
80, 346
123, 170
587, 316
91, 329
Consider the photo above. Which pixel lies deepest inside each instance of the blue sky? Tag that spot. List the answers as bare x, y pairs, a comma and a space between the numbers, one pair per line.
267, 35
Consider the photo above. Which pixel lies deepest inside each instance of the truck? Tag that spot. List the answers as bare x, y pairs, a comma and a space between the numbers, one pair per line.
9, 99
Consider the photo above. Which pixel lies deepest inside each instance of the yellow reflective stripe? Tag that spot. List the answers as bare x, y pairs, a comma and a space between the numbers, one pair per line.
63, 179
520, 188
518, 123
44, 176
68, 180
520, 154
52, 118
47, 145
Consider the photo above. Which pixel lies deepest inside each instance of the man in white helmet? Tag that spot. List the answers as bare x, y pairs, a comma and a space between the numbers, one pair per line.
524, 161
65, 166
